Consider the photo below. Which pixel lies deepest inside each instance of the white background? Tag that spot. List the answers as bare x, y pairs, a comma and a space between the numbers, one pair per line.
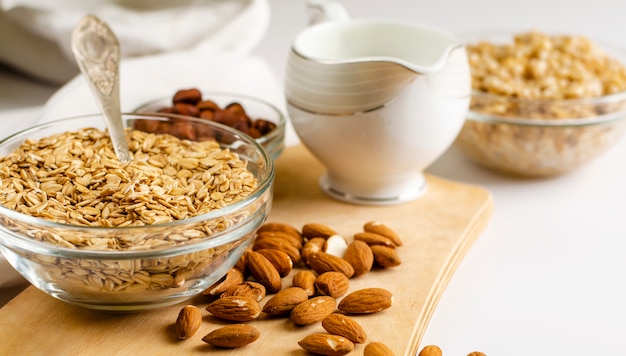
547, 276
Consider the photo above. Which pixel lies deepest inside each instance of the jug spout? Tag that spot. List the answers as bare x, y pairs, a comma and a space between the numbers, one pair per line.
345, 66
326, 10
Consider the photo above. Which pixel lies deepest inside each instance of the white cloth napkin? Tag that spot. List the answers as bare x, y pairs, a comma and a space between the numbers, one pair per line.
35, 34
166, 45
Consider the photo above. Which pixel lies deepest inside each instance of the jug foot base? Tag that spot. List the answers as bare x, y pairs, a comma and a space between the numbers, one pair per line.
405, 195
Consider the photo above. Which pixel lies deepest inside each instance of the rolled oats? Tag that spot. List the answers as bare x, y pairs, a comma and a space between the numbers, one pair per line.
74, 178
104, 192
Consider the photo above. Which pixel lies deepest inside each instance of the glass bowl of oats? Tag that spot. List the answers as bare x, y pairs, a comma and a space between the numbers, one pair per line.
542, 104
253, 116
155, 231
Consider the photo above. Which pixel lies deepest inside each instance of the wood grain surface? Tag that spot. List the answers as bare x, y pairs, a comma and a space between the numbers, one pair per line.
437, 231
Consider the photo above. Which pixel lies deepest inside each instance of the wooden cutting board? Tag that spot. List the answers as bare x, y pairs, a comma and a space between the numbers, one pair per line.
437, 230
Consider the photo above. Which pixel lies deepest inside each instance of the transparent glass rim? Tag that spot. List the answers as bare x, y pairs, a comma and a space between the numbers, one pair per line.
583, 121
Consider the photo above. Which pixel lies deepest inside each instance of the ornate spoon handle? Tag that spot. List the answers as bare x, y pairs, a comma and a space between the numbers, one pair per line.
97, 53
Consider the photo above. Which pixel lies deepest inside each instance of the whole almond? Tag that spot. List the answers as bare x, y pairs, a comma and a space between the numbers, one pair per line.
277, 226
382, 229
207, 105
430, 350
343, 325
241, 262
188, 322
366, 301
313, 310
284, 301
232, 336
295, 241
377, 349
279, 244
360, 256
263, 271
313, 245
233, 277
372, 239
279, 259
189, 96
332, 284
386, 257
322, 262
250, 289
326, 344
305, 279
235, 308
312, 230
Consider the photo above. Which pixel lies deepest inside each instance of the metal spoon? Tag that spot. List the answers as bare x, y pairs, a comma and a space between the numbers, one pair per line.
97, 53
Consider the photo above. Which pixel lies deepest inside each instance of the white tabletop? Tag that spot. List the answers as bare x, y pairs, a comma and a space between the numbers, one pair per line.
547, 276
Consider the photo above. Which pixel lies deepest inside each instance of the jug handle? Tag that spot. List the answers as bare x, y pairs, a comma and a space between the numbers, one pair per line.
326, 10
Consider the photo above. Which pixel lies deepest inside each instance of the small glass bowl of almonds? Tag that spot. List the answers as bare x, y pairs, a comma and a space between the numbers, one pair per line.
542, 104
155, 231
253, 116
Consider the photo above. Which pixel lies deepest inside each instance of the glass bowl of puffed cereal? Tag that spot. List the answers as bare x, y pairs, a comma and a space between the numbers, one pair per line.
542, 104
92, 231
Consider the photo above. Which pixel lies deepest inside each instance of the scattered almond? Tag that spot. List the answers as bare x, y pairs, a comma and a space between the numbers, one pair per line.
313, 310
366, 301
385, 257
263, 271
434, 350
372, 239
382, 229
232, 336
430, 350
322, 262
233, 277
235, 308
360, 256
279, 259
284, 301
326, 344
313, 245
250, 289
277, 226
312, 230
305, 279
241, 263
332, 284
279, 244
342, 325
188, 322
295, 241
377, 349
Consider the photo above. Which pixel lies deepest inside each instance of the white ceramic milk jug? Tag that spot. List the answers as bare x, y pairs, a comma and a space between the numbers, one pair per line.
376, 101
